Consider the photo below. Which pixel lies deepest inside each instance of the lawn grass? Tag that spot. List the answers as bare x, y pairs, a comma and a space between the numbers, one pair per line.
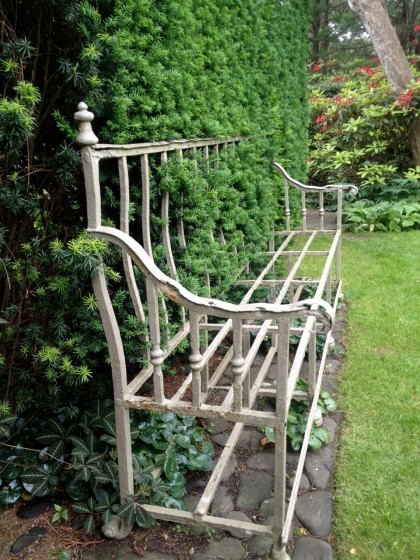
377, 476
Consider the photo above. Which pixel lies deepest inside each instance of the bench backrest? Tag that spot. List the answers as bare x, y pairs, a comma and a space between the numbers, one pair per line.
166, 325
310, 213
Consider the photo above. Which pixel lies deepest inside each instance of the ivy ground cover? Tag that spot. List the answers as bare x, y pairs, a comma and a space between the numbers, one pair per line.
377, 473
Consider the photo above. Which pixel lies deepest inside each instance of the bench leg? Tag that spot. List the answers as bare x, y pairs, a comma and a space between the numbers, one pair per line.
117, 528
338, 262
125, 467
283, 334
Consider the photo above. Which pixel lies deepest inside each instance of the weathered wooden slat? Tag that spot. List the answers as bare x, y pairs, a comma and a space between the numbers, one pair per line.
108, 151
304, 448
303, 210
282, 408
146, 372
211, 487
297, 253
279, 282
195, 358
252, 328
257, 418
321, 211
221, 523
124, 225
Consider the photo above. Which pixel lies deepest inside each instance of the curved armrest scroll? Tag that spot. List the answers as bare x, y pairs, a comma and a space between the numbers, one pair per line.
208, 306
352, 189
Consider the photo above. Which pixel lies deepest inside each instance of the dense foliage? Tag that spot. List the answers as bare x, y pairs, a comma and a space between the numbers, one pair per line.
80, 456
149, 72
359, 134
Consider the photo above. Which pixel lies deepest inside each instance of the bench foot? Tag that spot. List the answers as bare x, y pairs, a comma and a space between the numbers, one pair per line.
277, 554
116, 528
318, 419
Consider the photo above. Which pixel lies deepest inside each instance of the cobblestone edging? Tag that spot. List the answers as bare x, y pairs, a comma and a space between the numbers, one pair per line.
249, 499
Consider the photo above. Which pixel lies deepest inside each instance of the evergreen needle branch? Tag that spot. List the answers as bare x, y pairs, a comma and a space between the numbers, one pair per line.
36, 451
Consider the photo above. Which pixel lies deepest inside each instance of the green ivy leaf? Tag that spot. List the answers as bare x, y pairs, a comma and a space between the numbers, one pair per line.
270, 434
41, 488
89, 524
143, 519
81, 508
127, 512
172, 503
183, 441
77, 490
170, 466
83, 473
11, 493
11, 472
106, 516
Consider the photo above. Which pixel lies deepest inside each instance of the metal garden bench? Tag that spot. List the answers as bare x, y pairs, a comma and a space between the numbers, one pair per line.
241, 326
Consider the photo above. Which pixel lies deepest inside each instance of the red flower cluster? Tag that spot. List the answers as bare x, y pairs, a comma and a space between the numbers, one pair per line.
375, 58
321, 118
324, 128
338, 79
366, 70
405, 99
373, 84
415, 43
316, 68
416, 29
341, 102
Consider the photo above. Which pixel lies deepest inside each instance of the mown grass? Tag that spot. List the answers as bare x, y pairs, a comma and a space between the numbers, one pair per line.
377, 477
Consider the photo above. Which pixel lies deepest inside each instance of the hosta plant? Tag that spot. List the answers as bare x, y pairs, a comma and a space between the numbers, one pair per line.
297, 420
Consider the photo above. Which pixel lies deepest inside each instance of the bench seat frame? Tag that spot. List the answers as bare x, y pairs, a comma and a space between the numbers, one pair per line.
227, 321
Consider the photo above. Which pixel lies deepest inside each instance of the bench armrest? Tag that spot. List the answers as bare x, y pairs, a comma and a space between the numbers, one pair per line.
352, 189
209, 306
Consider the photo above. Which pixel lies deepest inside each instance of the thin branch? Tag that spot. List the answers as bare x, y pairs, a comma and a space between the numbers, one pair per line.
36, 451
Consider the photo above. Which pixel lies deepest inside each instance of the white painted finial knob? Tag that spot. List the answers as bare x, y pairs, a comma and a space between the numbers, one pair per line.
86, 136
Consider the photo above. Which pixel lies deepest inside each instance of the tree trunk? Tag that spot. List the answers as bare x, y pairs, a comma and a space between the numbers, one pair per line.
415, 141
325, 44
375, 18
320, 41
315, 30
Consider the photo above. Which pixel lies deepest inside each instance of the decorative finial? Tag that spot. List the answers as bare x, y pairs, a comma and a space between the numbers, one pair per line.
86, 137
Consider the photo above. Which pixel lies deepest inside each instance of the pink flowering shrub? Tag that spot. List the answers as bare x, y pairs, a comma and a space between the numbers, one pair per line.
359, 134
359, 125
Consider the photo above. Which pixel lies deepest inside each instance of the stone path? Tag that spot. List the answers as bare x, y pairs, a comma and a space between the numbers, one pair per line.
246, 493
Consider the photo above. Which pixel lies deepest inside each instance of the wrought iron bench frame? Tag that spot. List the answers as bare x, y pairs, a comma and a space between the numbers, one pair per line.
240, 320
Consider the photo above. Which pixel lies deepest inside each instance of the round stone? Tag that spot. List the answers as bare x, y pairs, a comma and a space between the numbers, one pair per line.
34, 534
307, 548
238, 516
228, 548
254, 488
314, 511
304, 485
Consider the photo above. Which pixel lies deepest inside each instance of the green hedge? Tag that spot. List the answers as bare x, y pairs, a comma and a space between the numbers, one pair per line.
150, 71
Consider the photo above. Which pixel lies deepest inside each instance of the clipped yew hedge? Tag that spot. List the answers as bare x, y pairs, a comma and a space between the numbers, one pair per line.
149, 71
